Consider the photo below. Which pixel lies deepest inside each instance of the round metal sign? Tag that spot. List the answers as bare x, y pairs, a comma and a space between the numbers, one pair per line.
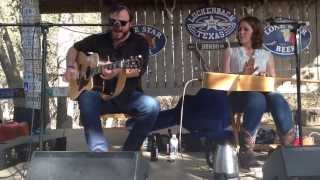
281, 39
155, 38
211, 23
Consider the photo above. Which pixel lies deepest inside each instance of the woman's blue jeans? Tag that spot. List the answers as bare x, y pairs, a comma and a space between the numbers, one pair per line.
254, 104
144, 110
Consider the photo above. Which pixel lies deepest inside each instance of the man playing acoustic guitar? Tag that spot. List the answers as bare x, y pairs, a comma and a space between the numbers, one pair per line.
114, 46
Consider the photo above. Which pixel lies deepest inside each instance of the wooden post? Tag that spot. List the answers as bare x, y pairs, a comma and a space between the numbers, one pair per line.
63, 120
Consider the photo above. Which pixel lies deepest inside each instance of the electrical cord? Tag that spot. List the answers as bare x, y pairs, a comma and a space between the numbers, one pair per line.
181, 112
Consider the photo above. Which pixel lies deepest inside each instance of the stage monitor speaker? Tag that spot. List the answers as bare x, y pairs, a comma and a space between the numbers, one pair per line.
88, 166
294, 163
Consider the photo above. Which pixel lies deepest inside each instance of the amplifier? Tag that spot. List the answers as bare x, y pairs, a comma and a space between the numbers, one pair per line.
20, 149
88, 165
293, 163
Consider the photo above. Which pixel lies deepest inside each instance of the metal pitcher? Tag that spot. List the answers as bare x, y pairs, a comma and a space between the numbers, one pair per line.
226, 163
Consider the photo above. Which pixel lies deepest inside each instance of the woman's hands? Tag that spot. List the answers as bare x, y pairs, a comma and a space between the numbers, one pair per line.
249, 67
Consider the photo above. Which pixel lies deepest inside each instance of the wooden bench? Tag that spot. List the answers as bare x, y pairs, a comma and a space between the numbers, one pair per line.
117, 120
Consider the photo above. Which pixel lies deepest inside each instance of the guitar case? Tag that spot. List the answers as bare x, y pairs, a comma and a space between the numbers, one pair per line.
207, 113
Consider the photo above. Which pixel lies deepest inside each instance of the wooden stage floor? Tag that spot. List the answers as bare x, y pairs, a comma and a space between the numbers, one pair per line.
192, 167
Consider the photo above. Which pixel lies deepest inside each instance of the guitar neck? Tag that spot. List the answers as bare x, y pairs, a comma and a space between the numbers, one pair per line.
115, 65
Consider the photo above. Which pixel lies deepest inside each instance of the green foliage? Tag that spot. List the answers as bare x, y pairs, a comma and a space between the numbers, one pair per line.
10, 13
60, 39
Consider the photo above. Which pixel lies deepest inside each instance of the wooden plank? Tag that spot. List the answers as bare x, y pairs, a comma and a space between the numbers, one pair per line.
62, 118
303, 13
316, 33
217, 55
178, 46
197, 67
194, 59
154, 69
151, 73
177, 91
258, 10
161, 57
308, 14
187, 69
117, 116
288, 65
140, 19
168, 60
6, 93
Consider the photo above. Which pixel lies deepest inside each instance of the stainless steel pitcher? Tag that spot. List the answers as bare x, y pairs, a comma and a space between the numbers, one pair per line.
226, 162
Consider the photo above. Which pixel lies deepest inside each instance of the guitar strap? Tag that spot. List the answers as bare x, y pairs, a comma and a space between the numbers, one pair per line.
119, 86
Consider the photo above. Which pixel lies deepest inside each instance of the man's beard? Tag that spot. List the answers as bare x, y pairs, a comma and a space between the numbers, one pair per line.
118, 40
116, 33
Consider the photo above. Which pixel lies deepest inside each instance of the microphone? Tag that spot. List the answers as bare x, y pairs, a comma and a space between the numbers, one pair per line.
116, 24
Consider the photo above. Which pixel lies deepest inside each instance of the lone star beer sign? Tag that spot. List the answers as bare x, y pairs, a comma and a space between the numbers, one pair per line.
281, 39
155, 38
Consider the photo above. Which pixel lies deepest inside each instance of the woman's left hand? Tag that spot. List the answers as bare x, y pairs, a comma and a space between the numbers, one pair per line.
262, 74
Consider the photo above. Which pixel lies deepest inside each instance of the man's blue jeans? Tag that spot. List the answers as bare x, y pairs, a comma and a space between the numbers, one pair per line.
254, 104
144, 110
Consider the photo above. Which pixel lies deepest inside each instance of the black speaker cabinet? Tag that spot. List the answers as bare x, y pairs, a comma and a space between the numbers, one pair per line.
87, 166
296, 163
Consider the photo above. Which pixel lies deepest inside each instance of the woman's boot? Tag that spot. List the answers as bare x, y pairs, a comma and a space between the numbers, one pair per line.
287, 139
247, 157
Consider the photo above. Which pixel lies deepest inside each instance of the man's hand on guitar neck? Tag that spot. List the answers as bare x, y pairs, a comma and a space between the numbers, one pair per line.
70, 74
109, 73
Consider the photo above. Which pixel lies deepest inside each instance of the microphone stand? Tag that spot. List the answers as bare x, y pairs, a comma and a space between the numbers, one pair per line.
44, 31
297, 51
296, 28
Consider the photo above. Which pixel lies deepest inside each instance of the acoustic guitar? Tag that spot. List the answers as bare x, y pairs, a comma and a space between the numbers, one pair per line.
241, 82
88, 70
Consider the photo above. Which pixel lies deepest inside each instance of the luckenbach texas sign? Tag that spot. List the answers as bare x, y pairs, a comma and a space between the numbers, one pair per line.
211, 23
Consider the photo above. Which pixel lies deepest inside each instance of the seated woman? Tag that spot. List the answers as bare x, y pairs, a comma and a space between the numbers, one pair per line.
250, 58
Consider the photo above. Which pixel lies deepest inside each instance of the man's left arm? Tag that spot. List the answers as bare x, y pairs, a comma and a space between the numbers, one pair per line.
143, 50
